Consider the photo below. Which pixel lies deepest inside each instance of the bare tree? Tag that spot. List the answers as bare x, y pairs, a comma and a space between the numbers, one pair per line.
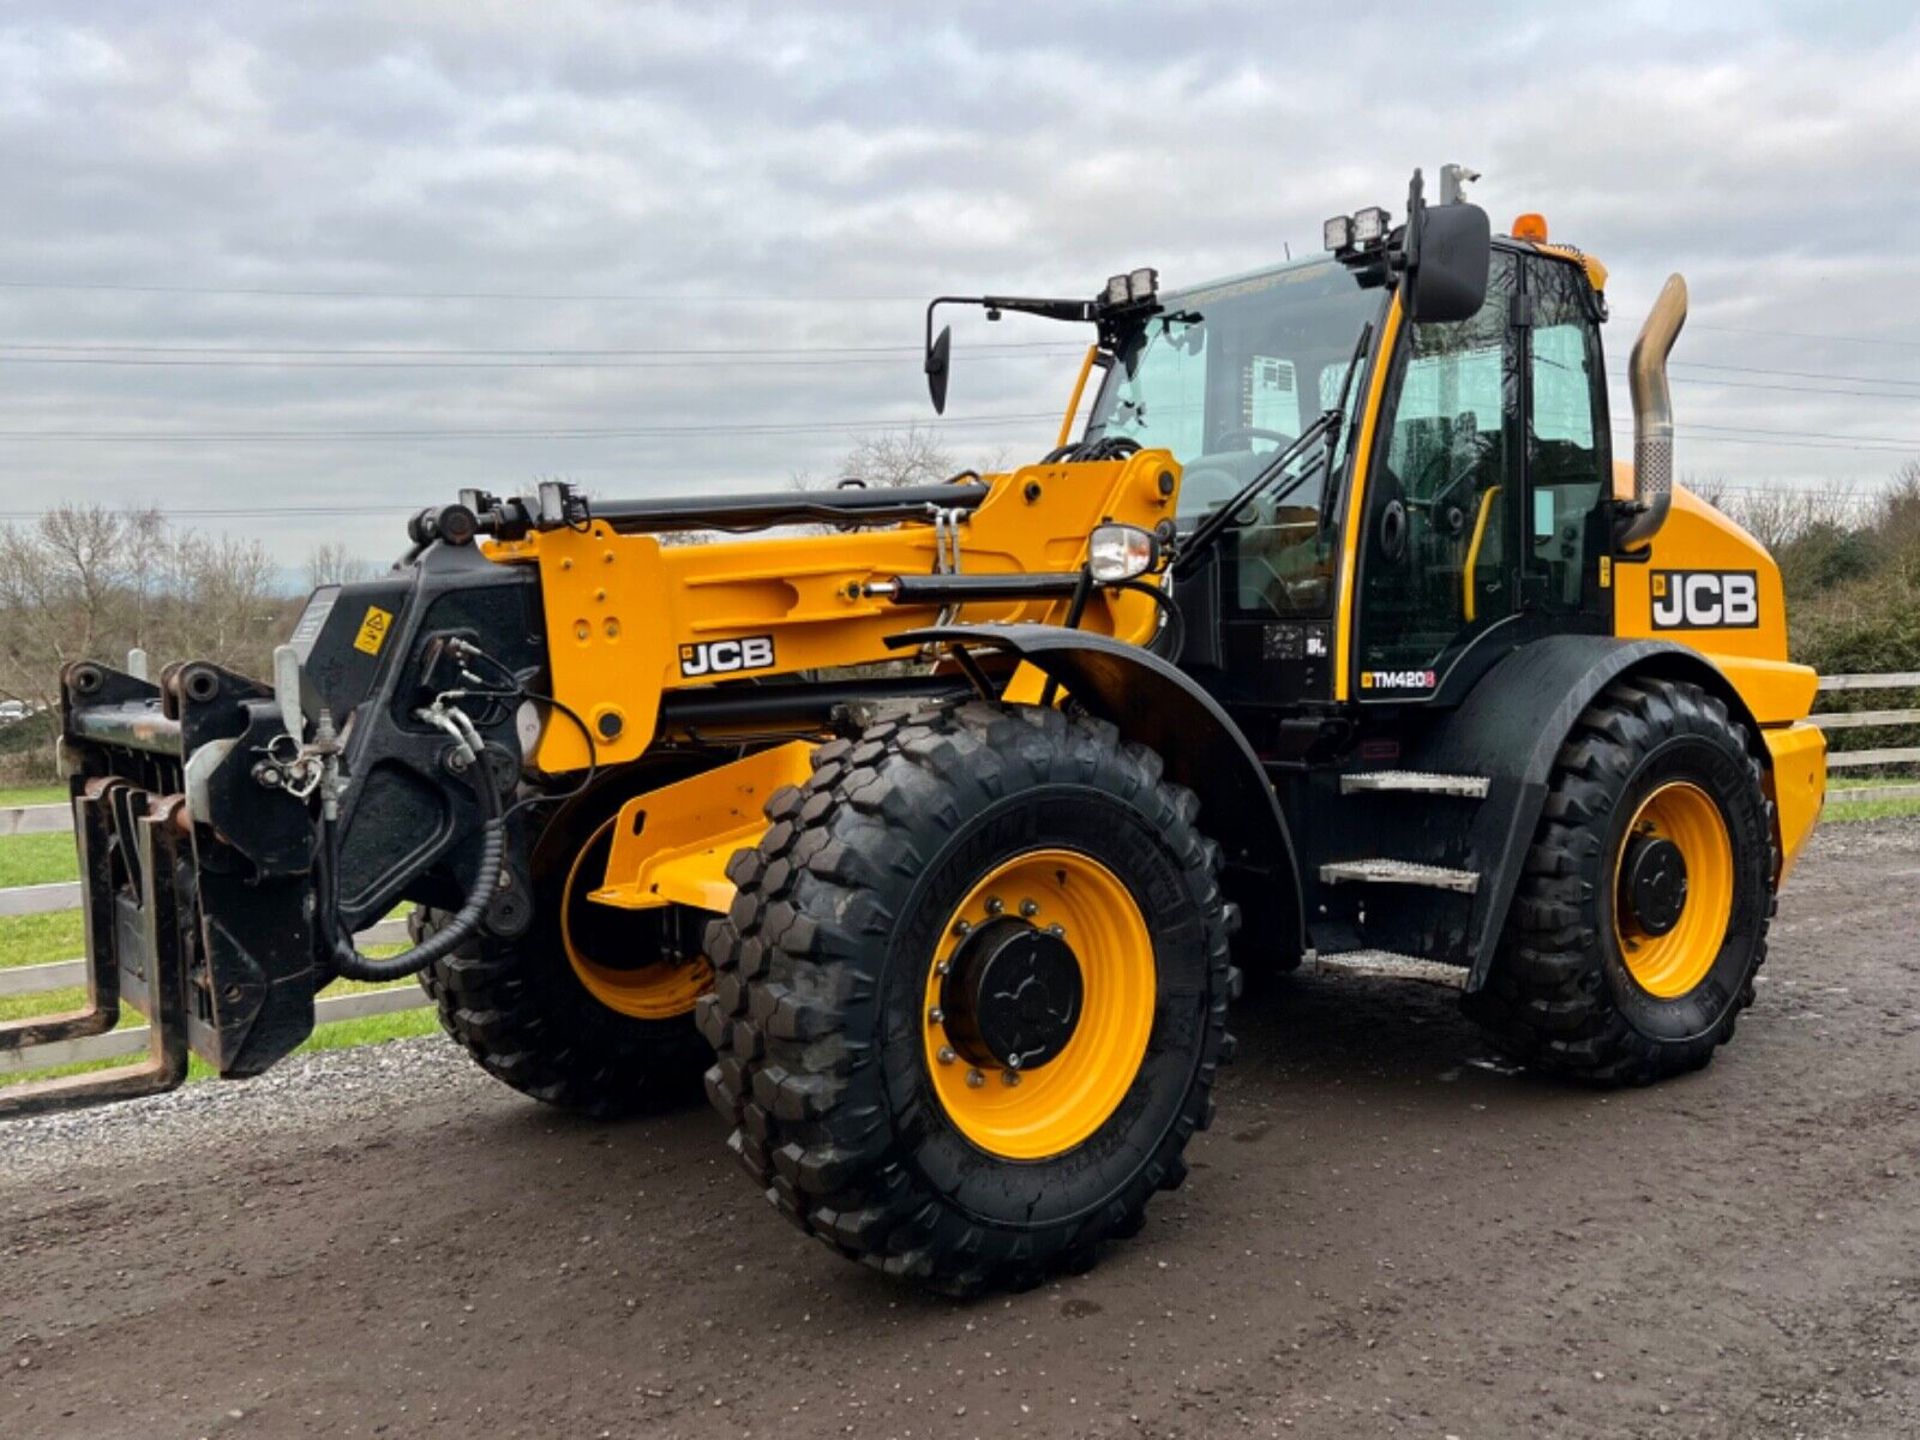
1897, 520
1711, 488
891, 458
332, 563
84, 582
70, 587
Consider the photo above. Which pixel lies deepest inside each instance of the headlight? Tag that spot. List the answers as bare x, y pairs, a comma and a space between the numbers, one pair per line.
1338, 233
1118, 290
1120, 552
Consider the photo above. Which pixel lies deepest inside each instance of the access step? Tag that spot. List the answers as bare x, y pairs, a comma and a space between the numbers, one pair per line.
1400, 872
1388, 965
1415, 782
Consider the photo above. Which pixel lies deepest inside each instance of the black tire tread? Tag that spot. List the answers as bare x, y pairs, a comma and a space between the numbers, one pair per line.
516, 1007
797, 946
1545, 1002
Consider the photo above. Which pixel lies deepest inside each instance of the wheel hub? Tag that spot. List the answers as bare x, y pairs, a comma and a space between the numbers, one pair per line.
1012, 995
1653, 882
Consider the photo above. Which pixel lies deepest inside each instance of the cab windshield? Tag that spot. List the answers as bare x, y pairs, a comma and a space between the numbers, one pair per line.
1223, 377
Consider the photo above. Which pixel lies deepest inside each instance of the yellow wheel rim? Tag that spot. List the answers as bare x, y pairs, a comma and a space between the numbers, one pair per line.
657, 990
1038, 1113
1671, 965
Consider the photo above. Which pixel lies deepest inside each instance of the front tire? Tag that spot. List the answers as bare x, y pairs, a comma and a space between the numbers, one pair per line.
591, 1009
971, 999
1641, 918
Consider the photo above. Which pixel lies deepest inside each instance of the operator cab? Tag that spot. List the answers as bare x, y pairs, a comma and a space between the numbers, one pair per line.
1457, 509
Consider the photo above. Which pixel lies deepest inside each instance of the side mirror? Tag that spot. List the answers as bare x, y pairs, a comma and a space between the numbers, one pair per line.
940, 356
1449, 248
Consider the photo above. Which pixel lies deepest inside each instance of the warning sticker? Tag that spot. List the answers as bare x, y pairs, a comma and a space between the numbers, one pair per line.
373, 630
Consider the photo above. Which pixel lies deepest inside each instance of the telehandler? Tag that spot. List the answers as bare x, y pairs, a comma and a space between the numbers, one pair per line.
1334, 633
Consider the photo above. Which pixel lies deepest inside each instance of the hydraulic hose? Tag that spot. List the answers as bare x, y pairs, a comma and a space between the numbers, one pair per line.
350, 963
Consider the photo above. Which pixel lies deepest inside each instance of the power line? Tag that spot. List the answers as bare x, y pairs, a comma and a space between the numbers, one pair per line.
1782, 389
603, 297
1784, 439
545, 297
1805, 335
1799, 374
382, 352
542, 432
1705, 434
755, 363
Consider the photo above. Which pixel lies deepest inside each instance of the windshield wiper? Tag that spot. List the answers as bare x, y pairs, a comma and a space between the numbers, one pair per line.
1327, 424
1210, 528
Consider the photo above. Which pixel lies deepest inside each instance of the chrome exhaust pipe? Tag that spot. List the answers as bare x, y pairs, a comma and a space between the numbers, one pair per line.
1653, 411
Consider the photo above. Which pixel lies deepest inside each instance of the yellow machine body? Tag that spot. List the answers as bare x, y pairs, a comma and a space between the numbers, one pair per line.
630, 619
1707, 584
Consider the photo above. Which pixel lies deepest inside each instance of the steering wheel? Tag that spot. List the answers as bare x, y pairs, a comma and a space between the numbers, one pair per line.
1482, 447
1224, 440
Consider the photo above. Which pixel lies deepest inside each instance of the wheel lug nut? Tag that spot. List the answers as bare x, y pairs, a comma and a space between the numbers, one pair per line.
963, 927
1012, 1077
1029, 909
947, 1057
945, 967
936, 1016
1056, 931
975, 1079
994, 906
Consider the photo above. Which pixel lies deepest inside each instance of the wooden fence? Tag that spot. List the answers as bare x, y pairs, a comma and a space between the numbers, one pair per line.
68, 974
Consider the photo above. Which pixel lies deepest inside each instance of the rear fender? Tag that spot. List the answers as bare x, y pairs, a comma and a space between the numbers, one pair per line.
1152, 703
1510, 729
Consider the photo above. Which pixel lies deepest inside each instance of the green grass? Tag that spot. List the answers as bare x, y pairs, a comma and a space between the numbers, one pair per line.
38, 939
1840, 812
335, 1035
339, 1035
33, 795
37, 860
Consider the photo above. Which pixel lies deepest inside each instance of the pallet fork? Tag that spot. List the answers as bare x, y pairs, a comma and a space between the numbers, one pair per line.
131, 845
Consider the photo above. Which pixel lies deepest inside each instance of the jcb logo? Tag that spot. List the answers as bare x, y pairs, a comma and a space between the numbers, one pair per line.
726, 657
1706, 600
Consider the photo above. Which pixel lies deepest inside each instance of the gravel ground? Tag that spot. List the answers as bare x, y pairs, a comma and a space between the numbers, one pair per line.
1383, 1235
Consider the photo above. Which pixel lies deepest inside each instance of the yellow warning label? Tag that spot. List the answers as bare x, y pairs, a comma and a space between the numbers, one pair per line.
1606, 572
373, 631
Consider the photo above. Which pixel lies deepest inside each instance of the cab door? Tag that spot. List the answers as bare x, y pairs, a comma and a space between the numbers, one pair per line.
1441, 549
1569, 460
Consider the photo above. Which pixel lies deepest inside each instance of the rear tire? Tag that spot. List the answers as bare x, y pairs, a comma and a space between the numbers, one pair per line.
1581, 985
829, 1063
524, 1008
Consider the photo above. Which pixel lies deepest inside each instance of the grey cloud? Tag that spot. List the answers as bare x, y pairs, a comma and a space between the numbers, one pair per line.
863, 150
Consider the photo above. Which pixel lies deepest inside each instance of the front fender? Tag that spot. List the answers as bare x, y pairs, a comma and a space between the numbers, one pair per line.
1157, 705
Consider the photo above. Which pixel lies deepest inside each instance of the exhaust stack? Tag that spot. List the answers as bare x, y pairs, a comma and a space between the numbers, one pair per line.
1653, 411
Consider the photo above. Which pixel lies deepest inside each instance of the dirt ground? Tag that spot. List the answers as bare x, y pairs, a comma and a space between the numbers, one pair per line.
1383, 1235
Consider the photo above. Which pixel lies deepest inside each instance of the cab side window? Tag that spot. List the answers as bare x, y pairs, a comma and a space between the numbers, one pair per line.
1566, 456
1439, 559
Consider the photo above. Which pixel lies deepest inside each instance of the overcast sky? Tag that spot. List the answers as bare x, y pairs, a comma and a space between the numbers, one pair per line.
486, 177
